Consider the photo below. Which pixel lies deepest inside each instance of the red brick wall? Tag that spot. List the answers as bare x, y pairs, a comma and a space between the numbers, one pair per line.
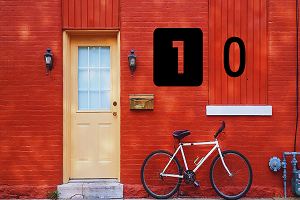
258, 138
30, 101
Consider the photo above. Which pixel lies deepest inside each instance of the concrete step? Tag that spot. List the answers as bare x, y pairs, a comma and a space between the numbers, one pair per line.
91, 189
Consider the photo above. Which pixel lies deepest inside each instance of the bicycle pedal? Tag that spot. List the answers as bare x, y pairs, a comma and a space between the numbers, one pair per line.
197, 184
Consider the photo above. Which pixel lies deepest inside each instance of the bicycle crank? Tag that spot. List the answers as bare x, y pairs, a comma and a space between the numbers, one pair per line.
189, 177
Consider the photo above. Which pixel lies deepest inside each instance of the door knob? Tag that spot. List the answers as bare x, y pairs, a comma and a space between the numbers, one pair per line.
114, 113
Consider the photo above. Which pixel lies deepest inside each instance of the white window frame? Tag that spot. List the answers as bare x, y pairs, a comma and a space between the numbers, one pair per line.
232, 110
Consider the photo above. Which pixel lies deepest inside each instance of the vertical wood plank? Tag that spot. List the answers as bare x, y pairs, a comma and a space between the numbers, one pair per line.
78, 15
250, 51
237, 33
115, 12
220, 66
257, 49
212, 53
65, 15
90, 14
230, 33
84, 14
263, 55
218, 53
244, 19
96, 13
71, 13
102, 13
108, 15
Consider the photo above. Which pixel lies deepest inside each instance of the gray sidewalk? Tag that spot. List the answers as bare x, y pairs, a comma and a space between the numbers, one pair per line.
274, 198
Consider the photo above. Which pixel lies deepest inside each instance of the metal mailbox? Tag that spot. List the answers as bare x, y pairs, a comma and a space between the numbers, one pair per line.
141, 101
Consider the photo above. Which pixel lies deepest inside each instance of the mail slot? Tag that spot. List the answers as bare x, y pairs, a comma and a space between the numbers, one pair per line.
141, 101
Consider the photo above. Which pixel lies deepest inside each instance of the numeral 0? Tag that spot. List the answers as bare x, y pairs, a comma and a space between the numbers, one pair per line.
242, 56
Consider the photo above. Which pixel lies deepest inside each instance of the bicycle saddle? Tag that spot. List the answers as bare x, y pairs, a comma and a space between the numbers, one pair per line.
181, 134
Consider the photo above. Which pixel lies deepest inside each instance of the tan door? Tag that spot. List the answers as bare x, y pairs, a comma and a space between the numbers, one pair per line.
94, 98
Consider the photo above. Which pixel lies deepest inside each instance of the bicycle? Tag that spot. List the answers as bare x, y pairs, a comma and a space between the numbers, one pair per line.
230, 171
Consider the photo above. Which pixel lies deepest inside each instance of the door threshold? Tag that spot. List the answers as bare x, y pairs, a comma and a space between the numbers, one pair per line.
94, 180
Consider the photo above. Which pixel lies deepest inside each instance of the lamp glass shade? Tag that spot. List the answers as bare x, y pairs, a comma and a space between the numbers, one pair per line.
132, 61
48, 59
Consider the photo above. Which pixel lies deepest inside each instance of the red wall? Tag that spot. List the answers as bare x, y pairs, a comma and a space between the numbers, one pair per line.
258, 138
30, 101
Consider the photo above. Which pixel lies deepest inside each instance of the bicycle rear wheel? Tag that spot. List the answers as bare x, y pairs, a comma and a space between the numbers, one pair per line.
160, 187
239, 183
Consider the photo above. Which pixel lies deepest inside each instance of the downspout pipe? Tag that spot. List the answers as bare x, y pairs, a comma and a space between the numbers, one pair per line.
294, 154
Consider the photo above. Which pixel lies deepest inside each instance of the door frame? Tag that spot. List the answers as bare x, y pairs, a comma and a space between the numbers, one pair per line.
67, 35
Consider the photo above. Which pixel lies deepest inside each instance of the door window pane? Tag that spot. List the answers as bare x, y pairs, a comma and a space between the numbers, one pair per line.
83, 58
105, 103
93, 56
105, 79
105, 53
82, 79
83, 100
94, 100
93, 78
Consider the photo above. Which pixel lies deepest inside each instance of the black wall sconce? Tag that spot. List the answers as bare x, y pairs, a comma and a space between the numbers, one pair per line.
48, 57
132, 61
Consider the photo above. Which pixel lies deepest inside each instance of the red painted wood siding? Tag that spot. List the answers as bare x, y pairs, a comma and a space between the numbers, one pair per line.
246, 19
90, 14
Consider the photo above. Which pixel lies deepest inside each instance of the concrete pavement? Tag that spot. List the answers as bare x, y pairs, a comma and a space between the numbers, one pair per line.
274, 198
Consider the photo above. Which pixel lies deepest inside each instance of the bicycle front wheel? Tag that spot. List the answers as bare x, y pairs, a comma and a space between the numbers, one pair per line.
237, 185
160, 187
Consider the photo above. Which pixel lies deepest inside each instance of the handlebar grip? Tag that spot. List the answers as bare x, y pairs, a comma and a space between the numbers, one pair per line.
220, 129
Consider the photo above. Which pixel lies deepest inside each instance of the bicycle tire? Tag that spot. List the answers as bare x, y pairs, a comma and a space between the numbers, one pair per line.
239, 183
155, 185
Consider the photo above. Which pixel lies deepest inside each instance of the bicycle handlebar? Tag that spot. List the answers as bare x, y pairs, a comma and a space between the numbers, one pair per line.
220, 129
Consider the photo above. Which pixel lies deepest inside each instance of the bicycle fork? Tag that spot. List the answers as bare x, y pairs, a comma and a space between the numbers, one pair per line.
222, 159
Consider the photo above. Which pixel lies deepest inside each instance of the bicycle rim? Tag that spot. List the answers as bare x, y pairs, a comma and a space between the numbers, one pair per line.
157, 186
239, 183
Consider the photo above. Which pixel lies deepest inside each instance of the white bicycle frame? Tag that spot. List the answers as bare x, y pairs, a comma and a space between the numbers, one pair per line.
180, 147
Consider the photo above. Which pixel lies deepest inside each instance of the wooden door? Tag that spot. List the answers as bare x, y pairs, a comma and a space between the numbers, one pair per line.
94, 101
